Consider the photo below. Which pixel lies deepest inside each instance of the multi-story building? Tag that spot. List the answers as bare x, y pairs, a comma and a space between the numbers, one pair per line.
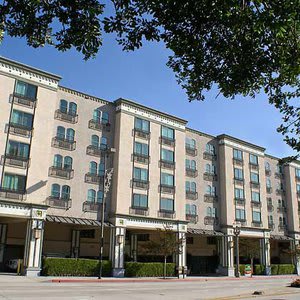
202, 187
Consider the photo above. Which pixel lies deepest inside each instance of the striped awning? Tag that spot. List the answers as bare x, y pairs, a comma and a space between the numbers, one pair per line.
280, 237
76, 221
204, 232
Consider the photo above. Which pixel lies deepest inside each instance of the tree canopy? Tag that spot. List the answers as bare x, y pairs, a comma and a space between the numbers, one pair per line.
242, 47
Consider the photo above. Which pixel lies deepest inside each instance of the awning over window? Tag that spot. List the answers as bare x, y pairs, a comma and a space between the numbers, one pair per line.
77, 221
204, 232
280, 237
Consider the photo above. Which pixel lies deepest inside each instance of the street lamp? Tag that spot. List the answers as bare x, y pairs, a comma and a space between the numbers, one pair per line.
236, 232
106, 185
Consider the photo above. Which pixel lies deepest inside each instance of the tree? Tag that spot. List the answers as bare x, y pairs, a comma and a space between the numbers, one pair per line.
242, 47
250, 249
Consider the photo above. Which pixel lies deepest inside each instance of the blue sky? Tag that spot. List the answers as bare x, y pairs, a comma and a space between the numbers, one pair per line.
143, 76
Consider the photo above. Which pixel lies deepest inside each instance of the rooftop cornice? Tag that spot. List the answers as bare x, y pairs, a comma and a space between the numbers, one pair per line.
200, 133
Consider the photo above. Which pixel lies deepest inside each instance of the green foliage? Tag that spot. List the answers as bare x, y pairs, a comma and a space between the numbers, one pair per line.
74, 267
282, 269
242, 269
259, 269
136, 269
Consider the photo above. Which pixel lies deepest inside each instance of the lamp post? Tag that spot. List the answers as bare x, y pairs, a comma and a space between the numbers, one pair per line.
236, 232
106, 185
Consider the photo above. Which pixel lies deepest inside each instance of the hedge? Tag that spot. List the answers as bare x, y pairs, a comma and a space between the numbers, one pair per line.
74, 267
136, 269
279, 269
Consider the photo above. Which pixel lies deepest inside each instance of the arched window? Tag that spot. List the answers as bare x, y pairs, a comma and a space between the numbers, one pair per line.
68, 161
187, 209
101, 169
209, 212
268, 182
208, 190
193, 144
57, 162
95, 141
55, 190
73, 109
279, 203
91, 195
280, 221
210, 148
70, 134
193, 165
63, 106
93, 167
105, 118
99, 196
208, 168
187, 186
97, 115
193, 210
193, 187
103, 144
60, 133
65, 192
267, 166
187, 164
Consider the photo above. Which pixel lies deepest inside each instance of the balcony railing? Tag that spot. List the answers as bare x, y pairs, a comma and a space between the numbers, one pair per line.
141, 134
61, 172
166, 164
191, 195
12, 194
269, 190
91, 206
59, 202
238, 181
190, 150
279, 175
281, 209
96, 151
211, 220
191, 218
191, 172
167, 141
65, 116
93, 178
210, 198
256, 224
210, 176
209, 156
140, 184
63, 143
280, 192
238, 162
271, 226
167, 189
99, 126
141, 158
253, 166
270, 207
23, 100
243, 222
282, 227
268, 172
166, 214
15, 161
141, 211
20, 130
255, 204
254, 185
239, 201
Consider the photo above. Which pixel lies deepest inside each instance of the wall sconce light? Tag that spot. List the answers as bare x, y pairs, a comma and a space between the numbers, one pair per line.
37, 233
120, 239
230, 244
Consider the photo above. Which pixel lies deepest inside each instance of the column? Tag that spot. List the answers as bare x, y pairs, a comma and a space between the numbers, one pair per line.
295, 244
227, 256
118, 251
181, 255
33, 247
75, 243
3, 235
265, 258
133, 246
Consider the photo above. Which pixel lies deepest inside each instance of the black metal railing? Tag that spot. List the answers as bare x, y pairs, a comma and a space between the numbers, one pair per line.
254, 185
99, 125
239, 201
23, 100
191, 195
93, 178
209, 156
190, 150
20, 130
63, 143
91, 206
167, 164
58, 202
141, 134
191, 172
61, 172
141, 211
167, 189
12, 194
253, 166
192, 218
210, 176
210, 198
166, 214
167, 141
268, 172
140, 184
141, 158
66, 116
15, 161
255, 204
238, 181
211, 220
238, 162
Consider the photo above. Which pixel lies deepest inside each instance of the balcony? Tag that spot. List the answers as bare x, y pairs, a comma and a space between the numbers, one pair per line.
191, 195
167, 141
20, 130
141, 158
269, 190
210, 176
243, 222
281, 209
64, 116
140, 211
255, 204
254, 185
61, 172
15, 161
89, 206
141, 134
282, 227
270, 207
279, 175
166, 164
59, 202
96, 151
238, 181
191, 218
268, 172
140, 184
191, 172
253, 166
166, 214
63, 143
167, 189
12, 194
256, 224
238, 162
190, 150
23, 100
211, 220
271, 226
210, 198
239, 201
99, 126
93, 178
280, 192
209, 156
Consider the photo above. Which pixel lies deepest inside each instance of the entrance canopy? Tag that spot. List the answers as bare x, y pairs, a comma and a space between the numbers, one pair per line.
77, 221
204, 232
280, 237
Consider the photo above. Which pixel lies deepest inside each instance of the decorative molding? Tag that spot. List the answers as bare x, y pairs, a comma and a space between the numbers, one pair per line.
239, 146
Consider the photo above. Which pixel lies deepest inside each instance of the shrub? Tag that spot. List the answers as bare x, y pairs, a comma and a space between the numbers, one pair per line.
259, 269
136, 269
282, 269
74, 267
242, 269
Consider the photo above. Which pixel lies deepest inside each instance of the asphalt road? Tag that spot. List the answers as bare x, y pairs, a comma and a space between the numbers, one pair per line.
222, 289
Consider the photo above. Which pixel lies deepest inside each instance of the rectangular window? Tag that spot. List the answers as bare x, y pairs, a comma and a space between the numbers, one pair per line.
238, 174
237, 154
238, 193
167, 155
167, 132
140, 174
140, 148
17, 149
26, 90
140, 201
297, 171
14, 182
167, 204
256, 216
142, 125
253, 159
167, 179
298, 188
254, 178
255, 196
240, 214
21, 118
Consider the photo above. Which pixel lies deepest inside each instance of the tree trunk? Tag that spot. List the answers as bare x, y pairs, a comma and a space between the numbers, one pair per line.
165, 267
252, 267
